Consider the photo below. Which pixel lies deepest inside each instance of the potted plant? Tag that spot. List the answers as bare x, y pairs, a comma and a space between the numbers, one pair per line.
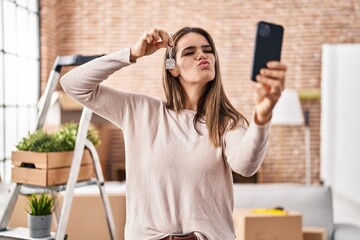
40, 211
62, 140
44, 159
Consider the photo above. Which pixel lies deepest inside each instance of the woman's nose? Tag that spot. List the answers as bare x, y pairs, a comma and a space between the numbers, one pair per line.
201, 55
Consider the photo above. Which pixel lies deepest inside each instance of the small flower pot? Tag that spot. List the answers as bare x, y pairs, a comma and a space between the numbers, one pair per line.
39, 226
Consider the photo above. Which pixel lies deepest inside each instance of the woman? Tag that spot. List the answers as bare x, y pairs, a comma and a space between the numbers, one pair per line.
180, 153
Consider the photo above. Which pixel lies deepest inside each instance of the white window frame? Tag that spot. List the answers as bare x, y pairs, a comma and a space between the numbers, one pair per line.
19, 75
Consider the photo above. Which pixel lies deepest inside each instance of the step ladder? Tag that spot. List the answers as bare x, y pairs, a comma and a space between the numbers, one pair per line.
81, 143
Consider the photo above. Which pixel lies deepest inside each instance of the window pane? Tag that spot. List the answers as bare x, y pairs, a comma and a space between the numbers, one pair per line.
2, 169
1, 27
10, 79
19, 74
22, 31
6, 177
1, 78
33, 37
9, 26
24, 123
2, 154
23, 91
34, 5
10, 131
33, 76
32, 118
23, 3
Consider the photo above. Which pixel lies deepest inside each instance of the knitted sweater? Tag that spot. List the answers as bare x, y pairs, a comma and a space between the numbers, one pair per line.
176, 180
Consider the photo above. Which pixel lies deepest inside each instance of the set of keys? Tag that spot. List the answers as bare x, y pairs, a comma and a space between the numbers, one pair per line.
170, 61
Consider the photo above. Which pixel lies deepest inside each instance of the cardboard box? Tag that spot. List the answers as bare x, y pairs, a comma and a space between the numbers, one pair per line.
88, 209
263, 226
87, 216
67, 103
48, 169
314, 233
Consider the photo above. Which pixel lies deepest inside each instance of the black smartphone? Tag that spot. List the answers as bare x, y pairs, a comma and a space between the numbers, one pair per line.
268, 43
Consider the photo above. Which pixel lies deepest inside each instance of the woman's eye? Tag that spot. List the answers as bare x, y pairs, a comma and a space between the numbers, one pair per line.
188, 53
208, 51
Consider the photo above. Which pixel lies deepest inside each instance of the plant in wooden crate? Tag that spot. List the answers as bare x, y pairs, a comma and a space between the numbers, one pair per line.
40, 208
44, 159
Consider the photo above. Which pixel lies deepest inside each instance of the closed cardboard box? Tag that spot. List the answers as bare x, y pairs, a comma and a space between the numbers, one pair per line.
314, 233
260, 226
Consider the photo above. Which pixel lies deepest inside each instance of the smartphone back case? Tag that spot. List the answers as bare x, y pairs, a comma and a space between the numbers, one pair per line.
268, 44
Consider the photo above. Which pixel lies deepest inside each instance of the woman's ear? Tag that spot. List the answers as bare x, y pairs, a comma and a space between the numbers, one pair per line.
174, 72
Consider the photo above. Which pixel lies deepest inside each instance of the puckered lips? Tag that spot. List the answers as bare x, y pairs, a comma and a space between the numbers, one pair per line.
204, 64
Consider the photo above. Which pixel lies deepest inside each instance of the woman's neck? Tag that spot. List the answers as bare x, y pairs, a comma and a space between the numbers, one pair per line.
193, 92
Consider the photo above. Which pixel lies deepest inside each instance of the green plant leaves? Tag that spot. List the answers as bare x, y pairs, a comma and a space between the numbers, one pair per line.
62, 140
40, 204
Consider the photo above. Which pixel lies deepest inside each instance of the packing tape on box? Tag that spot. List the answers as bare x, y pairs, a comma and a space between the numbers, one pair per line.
270, 211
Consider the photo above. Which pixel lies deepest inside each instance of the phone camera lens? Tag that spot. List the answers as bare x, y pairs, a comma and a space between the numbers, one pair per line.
264, 30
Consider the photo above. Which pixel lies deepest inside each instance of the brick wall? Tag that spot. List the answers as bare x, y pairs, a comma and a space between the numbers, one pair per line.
49, 44
96, 27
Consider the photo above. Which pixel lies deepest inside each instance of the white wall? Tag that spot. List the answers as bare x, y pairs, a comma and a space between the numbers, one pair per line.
340, 123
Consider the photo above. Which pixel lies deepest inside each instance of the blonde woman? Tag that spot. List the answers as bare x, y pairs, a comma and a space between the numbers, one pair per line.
180, 152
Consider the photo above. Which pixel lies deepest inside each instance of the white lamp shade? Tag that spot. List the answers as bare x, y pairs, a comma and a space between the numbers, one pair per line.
287, 110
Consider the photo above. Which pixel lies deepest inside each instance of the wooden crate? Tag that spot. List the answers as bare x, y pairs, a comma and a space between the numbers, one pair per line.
48, 169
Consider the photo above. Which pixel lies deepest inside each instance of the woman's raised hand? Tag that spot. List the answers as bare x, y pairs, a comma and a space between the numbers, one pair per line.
270, 84
150, 42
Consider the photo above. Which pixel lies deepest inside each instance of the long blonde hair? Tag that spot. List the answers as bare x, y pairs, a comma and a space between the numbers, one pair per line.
214, 107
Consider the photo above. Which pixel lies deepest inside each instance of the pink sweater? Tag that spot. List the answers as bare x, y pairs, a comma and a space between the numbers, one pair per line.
176, 180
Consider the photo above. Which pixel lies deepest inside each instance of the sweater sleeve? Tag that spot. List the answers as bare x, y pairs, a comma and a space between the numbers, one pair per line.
83, 84
245, 149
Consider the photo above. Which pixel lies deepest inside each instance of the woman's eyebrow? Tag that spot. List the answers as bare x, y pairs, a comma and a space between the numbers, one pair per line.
188, 48
193, 47
206, 46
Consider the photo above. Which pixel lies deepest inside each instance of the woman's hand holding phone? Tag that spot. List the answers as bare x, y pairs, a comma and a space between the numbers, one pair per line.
267, 70
270, 84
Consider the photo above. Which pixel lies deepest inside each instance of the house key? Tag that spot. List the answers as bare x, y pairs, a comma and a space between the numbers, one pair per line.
170, 62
